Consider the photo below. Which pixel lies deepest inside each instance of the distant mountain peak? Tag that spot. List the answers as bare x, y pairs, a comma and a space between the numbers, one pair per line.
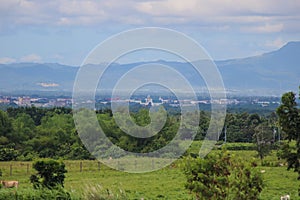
271, 73
292, 43
289, 52
290, 46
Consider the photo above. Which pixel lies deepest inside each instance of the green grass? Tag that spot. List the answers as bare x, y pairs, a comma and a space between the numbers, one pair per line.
167, 183
31, 194
278, 181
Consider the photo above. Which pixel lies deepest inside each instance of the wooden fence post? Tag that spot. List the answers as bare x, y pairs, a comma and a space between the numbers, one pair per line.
10, 169
27, 168
80, 166
152, 164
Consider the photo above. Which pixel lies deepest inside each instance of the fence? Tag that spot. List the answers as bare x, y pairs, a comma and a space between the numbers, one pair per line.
17, 168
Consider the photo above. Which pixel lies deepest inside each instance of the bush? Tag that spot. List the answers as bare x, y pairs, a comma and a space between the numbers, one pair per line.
219, 177
8, 153
208, 178
30, 156
247, 182
239, 146
50, 173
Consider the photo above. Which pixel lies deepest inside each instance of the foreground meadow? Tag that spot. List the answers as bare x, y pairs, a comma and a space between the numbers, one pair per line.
167, 183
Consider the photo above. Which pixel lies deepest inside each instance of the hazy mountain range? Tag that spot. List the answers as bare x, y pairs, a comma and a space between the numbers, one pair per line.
268, 74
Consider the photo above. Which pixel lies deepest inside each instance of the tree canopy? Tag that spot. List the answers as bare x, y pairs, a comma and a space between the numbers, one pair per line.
289, 121
29, 132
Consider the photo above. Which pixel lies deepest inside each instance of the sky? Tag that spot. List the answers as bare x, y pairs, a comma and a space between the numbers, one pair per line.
65, 31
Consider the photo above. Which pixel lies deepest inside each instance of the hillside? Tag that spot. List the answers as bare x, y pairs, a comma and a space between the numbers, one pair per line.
268, 74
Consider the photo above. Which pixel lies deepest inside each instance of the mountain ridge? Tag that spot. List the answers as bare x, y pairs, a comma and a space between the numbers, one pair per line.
270, 73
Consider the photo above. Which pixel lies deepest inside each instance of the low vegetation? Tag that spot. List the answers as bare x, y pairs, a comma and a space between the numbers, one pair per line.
167, 183
29, 194
253, 170
219, 176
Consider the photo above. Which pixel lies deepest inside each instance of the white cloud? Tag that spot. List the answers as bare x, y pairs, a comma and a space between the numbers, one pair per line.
254, 16
277, 43
58, 56
31, 58
267, 28
209, 22
6, 60
153, 12
219, 8
48, 84
81, 8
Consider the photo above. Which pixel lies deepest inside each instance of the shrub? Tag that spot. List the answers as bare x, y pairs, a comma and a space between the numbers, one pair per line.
208, 178
8, 153
219, 176
247, 182
50, 173
239, 146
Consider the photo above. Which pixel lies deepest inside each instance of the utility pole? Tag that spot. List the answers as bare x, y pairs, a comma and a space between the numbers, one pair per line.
225, 134
279, 135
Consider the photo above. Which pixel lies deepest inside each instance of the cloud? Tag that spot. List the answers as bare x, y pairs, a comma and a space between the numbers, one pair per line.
277, 43
214, 13
7, 60
48, 84
31, 58
60, 12
253, 16
216, 8
27, 58
210, 22
58, 56
267, 28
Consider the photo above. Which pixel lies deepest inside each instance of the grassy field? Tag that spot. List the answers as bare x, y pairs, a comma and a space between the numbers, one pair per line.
167, 183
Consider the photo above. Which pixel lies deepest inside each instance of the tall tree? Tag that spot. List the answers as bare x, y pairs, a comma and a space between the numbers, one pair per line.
5, 125
264, 139
289, 121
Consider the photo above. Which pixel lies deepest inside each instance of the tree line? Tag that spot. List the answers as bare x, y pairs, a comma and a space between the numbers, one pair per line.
30, 132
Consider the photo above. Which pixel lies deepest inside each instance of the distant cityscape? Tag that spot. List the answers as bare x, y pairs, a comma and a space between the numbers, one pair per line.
48, 102
35, 101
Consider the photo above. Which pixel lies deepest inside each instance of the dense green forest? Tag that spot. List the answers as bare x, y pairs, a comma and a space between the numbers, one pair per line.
29, 132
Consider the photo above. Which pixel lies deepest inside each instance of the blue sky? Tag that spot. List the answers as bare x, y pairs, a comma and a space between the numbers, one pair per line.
65, 31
